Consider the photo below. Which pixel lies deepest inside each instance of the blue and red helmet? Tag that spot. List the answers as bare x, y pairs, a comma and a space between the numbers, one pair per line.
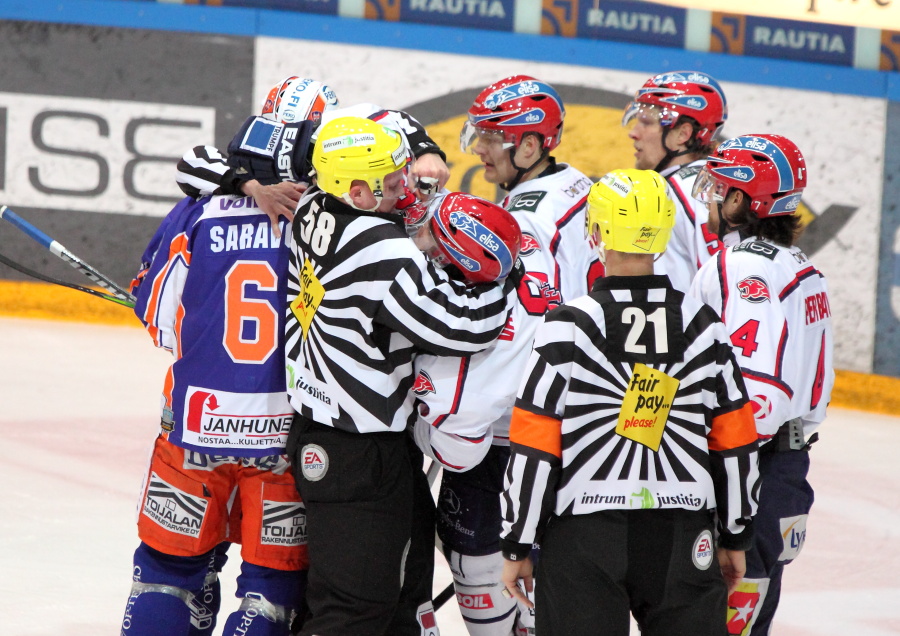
770, 169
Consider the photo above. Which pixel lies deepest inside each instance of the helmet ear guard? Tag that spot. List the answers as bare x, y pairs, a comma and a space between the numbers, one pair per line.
630, 211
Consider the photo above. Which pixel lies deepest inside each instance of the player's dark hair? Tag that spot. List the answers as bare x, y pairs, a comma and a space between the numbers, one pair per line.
783, 229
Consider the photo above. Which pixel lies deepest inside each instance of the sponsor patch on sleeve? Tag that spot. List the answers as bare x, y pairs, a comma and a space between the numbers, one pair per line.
526, 202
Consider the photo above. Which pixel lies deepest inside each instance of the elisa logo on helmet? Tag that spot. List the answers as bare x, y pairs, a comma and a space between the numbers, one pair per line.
738, 173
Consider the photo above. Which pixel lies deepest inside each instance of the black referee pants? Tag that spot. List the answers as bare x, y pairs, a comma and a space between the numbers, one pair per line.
370, 530
594, 569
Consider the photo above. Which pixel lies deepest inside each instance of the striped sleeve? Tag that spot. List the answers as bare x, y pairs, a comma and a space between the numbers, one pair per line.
202, 172
535, 438
733, 452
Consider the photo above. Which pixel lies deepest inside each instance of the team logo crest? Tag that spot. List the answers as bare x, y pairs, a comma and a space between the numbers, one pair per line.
703, 550
762, 407
423, 384
529, 245
314, 462
754, 289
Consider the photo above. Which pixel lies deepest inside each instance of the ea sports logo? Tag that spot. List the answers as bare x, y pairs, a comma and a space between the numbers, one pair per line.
313, 462
702, 552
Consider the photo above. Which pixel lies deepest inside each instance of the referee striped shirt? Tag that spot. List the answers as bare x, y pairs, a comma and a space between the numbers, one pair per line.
363, 300
631, 400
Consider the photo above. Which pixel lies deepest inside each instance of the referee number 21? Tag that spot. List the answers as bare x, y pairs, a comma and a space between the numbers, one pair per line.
638, 319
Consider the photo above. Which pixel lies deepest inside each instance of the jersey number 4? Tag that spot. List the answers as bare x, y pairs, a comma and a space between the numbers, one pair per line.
744, 338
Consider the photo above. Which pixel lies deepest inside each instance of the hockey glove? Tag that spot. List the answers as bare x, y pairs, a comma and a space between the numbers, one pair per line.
270, 152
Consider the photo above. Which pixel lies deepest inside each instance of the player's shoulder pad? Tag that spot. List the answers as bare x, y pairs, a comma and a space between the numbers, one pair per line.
688, 171
759, 248
526, 201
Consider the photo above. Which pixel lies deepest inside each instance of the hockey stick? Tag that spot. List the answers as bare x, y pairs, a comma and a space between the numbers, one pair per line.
116, 293
447, 592
49, 279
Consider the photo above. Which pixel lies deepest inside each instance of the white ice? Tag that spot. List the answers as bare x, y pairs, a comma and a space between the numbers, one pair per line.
79, 410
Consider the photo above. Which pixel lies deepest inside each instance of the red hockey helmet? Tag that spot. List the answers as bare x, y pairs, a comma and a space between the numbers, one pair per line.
513, 107
479, 238
295, 99
770, 169
671, 96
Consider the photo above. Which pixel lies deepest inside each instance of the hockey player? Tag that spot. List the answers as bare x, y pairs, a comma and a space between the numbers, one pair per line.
302, 105
673, 121
631, 426
363, 301
774, 303
512, 126
212, 290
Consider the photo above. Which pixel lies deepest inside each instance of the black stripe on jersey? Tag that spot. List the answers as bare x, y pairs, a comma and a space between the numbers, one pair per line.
685, 204
723, 280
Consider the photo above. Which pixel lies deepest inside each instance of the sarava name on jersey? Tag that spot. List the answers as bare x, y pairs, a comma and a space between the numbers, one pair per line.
526, 202
646, 405
246, 236
307, 302
757, 247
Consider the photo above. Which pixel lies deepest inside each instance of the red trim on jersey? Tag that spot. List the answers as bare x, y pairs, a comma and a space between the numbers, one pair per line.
457, 397
767, 379
799, 278
438, 457
782, 346
683, 200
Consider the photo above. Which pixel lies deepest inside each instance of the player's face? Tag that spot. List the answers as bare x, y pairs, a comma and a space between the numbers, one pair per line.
494, 157
647, 135
393, 190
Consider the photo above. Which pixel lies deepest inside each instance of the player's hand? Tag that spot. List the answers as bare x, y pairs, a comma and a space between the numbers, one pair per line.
512, 572
734, 565
426, 168
279, 199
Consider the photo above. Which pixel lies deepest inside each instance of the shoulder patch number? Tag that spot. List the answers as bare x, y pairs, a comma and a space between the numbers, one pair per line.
317, 229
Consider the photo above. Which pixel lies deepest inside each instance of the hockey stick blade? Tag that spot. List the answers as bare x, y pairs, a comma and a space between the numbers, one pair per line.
60, 251
49, 279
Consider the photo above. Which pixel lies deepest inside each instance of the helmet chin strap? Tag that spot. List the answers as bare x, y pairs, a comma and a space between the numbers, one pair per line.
670, 154
521, 172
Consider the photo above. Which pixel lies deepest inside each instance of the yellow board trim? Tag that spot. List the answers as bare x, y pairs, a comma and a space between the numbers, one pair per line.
22, 299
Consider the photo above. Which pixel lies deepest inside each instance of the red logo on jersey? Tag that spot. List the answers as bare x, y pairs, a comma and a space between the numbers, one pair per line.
509, 330
423, 384
530, 244
311, 458
475, 601
741, 605
755, 289
195, 409
762, 407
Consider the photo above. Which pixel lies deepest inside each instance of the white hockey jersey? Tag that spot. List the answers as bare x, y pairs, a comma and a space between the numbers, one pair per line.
691, 243
465, 404
775, 306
